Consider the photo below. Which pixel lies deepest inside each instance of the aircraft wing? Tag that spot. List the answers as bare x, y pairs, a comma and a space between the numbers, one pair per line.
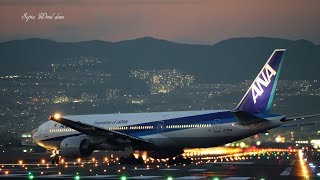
92, 130
296, 121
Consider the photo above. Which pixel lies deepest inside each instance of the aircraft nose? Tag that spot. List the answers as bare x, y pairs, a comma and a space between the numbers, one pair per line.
35, 134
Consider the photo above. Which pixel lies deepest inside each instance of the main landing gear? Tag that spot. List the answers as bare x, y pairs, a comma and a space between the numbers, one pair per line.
179, 160
55, 158
131, 160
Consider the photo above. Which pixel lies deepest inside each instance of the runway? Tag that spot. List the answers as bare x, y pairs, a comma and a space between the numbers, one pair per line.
268, 165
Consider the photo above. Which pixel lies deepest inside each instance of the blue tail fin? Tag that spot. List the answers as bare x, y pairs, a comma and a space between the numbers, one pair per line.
259, 96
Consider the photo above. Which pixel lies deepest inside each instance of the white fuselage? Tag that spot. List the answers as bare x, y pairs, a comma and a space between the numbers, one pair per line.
181, 129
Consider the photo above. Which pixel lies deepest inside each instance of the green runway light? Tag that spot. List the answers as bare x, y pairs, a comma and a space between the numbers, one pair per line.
123, 178
215, 178
77, 177
30, 175
169, 178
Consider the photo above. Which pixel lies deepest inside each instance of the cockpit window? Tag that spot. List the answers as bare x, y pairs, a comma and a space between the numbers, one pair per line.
34, 130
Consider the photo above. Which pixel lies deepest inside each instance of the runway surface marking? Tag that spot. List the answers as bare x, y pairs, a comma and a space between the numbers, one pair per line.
197, 170
56, 175
12, 175
99, 176
169, 169
233, 163
236, 178
143, 177
286, 172
141, 169
191, 177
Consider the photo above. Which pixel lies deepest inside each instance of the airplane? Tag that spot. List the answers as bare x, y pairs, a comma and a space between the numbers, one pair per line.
166, 134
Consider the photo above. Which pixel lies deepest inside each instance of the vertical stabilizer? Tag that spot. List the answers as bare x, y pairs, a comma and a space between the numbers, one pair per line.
259, 96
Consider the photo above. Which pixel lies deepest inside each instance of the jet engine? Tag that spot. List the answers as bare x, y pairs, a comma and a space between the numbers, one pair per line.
78, 146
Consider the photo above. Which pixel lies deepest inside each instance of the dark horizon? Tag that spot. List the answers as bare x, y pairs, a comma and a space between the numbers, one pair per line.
150, 37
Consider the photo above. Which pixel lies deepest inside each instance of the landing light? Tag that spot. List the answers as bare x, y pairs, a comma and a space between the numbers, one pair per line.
57, 116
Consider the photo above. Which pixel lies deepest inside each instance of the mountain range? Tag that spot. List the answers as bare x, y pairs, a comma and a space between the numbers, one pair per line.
229, 60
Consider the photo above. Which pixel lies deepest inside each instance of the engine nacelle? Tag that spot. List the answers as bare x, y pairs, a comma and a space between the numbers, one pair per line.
78, 146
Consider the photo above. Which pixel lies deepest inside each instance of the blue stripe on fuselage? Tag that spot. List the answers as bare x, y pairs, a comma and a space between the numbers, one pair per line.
224, 117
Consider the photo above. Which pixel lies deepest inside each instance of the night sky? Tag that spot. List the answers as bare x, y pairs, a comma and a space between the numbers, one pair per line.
187, 21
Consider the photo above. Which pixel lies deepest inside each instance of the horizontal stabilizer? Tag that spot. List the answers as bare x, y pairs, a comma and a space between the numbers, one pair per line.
296, 123
301, 124
300, 117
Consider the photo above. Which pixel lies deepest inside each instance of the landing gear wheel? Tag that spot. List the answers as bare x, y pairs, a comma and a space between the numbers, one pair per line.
131, 160
179, 160
55, 157
55, 160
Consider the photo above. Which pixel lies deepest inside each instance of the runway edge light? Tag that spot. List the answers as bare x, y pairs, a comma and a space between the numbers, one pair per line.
76, 177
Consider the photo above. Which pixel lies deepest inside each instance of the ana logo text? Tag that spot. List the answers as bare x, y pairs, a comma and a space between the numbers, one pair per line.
263, 79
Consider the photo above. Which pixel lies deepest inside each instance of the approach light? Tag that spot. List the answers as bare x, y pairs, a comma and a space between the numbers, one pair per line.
57, 116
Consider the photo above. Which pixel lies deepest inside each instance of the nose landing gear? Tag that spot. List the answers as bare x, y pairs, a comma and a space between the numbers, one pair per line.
55, 158
131, 160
